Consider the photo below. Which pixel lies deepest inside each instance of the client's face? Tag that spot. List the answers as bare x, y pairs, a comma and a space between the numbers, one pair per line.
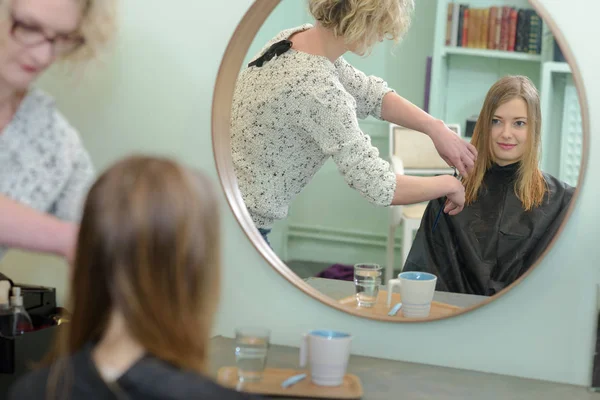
509, 132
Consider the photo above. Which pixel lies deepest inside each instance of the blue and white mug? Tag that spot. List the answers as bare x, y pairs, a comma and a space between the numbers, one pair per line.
416, 293
326, 354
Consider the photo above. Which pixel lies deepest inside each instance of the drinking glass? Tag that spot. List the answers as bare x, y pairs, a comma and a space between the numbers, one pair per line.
251, 346
367, 279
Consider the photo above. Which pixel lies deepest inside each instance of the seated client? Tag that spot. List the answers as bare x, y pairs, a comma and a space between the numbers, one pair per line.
143, 293
512, 208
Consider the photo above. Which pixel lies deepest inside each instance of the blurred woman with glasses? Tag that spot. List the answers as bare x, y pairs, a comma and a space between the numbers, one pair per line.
44, 168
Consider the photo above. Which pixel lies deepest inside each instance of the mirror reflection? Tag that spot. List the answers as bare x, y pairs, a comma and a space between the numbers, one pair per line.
406, 160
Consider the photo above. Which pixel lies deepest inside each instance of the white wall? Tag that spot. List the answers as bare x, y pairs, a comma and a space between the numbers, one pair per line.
155, 93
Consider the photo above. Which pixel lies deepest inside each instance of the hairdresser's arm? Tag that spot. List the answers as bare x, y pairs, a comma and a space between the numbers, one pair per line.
330, 120
417, 189
454, 150
367, 91
25, 228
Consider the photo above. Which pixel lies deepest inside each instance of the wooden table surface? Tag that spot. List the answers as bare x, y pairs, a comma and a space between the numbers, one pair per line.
385, 379
338, 289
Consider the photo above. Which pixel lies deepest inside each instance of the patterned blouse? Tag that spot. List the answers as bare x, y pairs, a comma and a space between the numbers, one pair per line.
42, 161
293, 113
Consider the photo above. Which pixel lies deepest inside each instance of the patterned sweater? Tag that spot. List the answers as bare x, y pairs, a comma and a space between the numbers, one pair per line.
42, 161
293, 113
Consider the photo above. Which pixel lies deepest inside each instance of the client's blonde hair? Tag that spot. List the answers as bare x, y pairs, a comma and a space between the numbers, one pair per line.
363, 23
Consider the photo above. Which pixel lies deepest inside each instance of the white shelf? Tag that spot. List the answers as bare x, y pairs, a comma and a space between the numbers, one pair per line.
558, 67
509, 55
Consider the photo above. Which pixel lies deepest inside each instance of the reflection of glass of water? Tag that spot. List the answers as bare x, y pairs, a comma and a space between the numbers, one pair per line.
251, 346
367, 278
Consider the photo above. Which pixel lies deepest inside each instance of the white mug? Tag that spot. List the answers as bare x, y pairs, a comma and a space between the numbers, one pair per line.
327, 354
416, 292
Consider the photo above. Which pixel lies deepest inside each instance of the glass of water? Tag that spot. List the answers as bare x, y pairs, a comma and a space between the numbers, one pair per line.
251, 346
367, 279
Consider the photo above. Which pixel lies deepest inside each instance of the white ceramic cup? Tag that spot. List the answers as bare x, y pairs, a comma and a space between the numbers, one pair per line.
416, 292
327, 354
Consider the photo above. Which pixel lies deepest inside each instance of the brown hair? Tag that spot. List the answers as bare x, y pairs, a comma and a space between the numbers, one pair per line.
148, 246
364, 22
530, 186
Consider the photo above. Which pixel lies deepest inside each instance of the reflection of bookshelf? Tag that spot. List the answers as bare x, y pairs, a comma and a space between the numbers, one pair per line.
464, 69
509, 55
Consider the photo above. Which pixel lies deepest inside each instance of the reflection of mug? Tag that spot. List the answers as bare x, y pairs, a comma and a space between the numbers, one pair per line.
327, 354
416, 293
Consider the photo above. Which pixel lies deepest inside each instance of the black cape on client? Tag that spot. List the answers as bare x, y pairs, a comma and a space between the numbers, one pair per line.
493, 241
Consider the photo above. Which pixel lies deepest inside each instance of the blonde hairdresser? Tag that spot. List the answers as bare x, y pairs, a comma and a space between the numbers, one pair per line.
45, 170
293, 112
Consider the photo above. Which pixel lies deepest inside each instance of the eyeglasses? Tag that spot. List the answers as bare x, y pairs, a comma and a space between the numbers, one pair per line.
30, 35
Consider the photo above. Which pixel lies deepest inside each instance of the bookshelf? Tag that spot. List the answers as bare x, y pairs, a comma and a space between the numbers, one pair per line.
557, 67
500, 54
461, 76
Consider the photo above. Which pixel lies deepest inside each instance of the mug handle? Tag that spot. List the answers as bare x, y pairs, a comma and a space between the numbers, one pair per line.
304, 351
391, 284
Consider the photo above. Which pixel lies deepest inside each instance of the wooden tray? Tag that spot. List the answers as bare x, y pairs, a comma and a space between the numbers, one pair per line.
380, 308
270, 385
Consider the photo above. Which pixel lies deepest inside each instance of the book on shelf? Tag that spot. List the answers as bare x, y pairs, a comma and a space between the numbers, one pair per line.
494, 28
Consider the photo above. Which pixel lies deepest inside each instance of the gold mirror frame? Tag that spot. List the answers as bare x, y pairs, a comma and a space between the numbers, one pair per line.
229, 69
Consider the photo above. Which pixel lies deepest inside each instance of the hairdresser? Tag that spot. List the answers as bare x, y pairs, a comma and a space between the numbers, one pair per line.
298, 103
44, 168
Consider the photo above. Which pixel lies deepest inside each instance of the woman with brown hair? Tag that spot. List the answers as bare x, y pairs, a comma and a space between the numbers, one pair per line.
298, 102
144, 291
512, 208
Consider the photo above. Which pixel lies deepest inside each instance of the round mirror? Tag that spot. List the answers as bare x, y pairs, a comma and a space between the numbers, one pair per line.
344, 184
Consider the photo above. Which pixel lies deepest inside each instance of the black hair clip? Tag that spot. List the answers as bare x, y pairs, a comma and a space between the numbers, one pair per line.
275, 50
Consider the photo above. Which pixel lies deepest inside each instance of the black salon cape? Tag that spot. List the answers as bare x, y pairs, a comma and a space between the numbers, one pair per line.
147, 379
493, 241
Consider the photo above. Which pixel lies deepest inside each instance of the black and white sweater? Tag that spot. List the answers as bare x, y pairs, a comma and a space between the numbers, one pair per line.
43, 163
293, 113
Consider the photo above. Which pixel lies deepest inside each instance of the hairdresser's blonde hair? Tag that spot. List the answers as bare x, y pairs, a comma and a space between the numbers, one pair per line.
98, 27
363, 23
530, 186
148, 248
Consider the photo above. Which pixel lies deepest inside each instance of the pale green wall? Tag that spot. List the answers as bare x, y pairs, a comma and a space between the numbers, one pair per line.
154, 94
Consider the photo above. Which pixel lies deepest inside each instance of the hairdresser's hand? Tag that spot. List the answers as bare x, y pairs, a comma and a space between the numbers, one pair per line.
452, 148
456, 199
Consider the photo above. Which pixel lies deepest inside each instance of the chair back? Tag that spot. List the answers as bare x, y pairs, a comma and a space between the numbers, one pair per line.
416, 150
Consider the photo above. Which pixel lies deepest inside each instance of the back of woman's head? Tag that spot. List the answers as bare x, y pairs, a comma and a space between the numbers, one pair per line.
363, 23
148, 248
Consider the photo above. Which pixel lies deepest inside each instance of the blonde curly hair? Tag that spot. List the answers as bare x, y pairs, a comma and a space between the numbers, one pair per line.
98, 27
363, 23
